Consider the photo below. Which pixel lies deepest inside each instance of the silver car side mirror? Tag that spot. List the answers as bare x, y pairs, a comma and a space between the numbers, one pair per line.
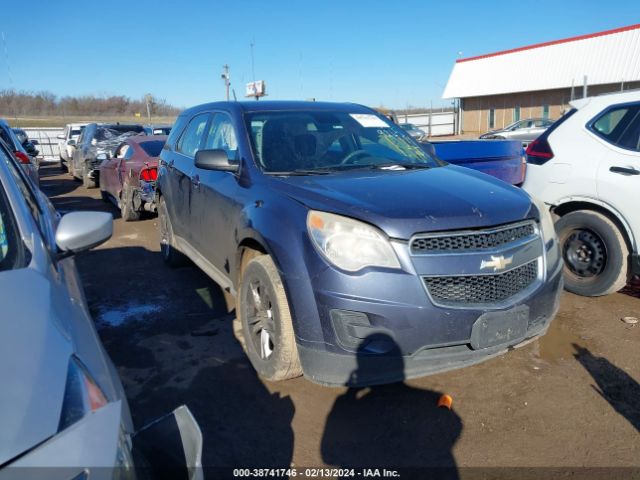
80, 231
71, 143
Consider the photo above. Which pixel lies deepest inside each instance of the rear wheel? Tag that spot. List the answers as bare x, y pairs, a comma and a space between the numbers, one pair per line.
596, 256
127, 210
170, 255
266, 321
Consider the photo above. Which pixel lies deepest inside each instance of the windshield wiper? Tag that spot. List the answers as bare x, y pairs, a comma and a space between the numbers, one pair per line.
299, 171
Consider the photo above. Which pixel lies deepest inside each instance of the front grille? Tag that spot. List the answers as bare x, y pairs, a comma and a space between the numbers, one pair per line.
480, 240
480, 289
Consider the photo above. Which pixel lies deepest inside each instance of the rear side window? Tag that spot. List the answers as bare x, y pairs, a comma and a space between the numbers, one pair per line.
152, 148
191, 139
619, 126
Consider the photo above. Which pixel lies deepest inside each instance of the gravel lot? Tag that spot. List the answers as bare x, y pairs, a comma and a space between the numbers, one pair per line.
571, 399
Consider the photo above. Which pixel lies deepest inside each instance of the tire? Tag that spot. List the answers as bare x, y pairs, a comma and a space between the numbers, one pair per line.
595, 253
127, 211
63, 167
105, 196
87, 181
170, 255
265, 317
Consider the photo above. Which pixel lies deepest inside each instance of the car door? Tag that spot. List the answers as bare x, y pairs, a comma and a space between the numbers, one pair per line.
122, 167
618, 179
216, 194
522, 131
109, 172
537, 129
179, 164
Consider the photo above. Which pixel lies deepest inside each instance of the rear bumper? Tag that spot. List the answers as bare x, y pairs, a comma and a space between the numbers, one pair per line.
336, 365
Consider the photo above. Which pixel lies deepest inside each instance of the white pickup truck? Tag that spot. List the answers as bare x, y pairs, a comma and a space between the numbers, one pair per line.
586, 167
71, 132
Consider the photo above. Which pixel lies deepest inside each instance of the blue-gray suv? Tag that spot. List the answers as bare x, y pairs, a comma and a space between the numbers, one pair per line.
347, 245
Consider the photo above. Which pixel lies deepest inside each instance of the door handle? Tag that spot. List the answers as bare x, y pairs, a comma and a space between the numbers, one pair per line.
625, 170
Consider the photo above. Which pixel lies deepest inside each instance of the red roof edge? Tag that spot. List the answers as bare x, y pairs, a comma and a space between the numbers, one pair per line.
554, 42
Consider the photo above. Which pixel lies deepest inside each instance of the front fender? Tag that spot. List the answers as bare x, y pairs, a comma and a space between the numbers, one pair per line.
284, 237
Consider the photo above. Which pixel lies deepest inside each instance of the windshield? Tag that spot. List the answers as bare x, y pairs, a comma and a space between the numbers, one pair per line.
331, 141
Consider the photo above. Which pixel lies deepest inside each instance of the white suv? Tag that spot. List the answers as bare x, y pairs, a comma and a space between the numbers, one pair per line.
586, 167
71, 132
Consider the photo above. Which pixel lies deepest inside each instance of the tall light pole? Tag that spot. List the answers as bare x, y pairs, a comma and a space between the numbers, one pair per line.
226, 78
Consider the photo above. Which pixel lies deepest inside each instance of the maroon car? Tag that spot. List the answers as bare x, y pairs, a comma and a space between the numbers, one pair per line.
129, 178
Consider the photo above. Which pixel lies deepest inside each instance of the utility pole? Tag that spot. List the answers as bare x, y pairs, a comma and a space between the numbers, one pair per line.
226, 78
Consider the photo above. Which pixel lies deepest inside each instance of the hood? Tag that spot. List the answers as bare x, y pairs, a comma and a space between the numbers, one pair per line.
33, 367
403, 203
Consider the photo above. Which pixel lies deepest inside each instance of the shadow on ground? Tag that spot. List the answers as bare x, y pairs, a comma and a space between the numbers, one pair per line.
392, 425
613, 384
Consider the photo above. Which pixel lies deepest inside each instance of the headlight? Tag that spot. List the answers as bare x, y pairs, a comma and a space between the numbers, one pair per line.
81, 396
349, 244
548, 231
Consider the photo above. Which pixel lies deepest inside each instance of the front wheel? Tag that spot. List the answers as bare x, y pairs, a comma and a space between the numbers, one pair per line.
266, 321
87, 181
596, 256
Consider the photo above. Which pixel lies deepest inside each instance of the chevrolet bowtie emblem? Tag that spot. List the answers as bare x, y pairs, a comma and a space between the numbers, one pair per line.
497, 263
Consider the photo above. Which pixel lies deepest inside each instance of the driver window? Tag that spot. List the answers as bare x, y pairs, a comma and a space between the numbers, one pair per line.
221, 136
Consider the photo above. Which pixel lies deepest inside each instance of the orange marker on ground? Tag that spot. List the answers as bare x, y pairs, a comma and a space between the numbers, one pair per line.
445, 401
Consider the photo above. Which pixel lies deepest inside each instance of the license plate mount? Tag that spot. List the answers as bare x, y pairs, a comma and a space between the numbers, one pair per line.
499, 328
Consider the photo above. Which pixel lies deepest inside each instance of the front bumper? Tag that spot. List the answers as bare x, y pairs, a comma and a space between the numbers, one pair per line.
408, 337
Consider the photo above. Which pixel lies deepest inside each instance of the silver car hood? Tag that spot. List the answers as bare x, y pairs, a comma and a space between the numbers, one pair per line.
34, 357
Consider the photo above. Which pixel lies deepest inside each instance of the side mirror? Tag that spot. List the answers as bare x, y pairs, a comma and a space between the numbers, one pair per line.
34, 142
215, 160
60, 137
71, 143
80, 231
102, 156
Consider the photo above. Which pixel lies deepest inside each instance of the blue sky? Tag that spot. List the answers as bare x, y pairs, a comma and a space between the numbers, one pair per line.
373, 52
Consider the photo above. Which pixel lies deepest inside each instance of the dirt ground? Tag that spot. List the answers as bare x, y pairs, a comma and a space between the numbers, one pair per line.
569, 400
